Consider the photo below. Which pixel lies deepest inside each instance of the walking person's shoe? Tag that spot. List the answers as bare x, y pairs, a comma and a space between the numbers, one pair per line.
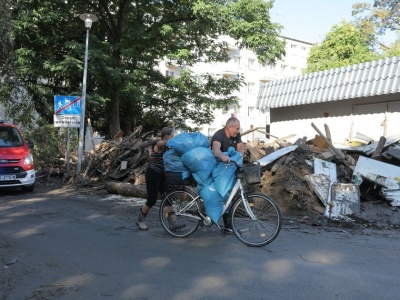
173, 224
140, 222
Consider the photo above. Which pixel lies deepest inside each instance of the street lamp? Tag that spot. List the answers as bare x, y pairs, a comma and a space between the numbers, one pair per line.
89, 19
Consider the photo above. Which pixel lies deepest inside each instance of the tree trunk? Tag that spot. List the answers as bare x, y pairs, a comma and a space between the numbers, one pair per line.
126, 189
114, 115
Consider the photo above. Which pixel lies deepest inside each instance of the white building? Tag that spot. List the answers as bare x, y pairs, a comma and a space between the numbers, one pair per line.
244, 62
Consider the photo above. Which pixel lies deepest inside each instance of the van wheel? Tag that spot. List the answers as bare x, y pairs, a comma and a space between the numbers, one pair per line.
29, 188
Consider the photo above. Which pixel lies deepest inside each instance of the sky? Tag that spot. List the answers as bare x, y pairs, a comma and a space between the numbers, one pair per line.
310, 20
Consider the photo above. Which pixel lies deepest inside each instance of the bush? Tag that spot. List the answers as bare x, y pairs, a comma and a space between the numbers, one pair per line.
51, 144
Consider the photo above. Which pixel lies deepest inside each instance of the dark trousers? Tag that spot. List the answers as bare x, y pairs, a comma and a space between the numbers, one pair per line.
155, 183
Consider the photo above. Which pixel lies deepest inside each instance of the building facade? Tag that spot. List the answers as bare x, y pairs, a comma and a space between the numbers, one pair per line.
244, 62
361, 100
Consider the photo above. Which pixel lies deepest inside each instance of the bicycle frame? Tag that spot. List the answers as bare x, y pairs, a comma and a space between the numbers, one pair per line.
238, 186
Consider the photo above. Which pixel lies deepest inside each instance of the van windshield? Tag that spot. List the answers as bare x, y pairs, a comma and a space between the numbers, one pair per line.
10, 137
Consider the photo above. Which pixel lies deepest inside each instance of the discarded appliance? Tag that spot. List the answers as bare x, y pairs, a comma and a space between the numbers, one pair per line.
383, 174
340, 199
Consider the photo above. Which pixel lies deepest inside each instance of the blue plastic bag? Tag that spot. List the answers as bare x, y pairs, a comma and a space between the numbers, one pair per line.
184, 142
200, 161
213, 202
224, 178
224, 174
173, 163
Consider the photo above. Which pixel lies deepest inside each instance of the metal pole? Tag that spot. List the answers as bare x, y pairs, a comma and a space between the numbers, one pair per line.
68, 165
82, 123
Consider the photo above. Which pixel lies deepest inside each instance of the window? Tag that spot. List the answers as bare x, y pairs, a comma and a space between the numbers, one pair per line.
211, 132
283, 67
293, 46
253, 112
198, 79
169, 73
252, 64
236, 59
251, 87
197, 53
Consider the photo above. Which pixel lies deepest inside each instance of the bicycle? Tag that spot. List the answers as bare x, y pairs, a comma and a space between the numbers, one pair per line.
255, 218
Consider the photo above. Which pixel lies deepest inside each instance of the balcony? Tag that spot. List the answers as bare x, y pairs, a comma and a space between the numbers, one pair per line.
172, 64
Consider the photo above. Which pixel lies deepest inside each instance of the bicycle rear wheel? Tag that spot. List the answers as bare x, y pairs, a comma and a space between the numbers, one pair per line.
179, 212
261, 230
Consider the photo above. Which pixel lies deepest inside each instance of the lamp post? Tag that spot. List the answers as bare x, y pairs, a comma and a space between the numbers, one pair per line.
88, 19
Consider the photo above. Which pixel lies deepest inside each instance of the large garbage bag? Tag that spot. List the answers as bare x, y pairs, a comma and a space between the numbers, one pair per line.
213, 202
201, 162
224, 174
185, 142
201, 183
173, 163
224, 178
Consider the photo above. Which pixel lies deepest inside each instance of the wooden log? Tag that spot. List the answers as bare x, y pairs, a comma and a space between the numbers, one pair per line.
118, 135
278, 164
339, 153
254, 153
91, 133
328, 133
279, 141
126, 189
249, 131
377, 153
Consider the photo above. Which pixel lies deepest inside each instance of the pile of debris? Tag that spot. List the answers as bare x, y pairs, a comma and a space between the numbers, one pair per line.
308, 177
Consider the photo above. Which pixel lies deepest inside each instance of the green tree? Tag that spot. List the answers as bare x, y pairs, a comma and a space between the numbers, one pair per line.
126, 44
344, 45
381, 16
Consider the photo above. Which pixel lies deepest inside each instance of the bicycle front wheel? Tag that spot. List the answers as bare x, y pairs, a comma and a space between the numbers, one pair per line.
179, 212
263, 226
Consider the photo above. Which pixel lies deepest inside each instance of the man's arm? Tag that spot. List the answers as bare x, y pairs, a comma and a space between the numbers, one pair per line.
216, 149
240, 148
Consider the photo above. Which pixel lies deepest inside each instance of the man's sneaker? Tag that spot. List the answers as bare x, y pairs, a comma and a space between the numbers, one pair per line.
227, 229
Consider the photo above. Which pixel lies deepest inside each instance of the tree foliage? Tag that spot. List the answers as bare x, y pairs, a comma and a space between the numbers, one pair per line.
344, 45
130, 39
383, 14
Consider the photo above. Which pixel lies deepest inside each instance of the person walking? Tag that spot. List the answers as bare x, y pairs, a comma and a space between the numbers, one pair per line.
226, 137
155, 179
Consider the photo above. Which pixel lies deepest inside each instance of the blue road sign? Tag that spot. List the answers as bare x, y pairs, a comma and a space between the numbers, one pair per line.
67, 105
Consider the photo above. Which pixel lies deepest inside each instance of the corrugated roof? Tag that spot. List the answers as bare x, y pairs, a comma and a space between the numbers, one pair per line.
368, 79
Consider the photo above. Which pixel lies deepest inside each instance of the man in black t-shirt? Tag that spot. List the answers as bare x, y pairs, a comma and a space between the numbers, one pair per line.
229, 136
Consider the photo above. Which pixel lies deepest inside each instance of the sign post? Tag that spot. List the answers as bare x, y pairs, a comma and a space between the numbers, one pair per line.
67, 113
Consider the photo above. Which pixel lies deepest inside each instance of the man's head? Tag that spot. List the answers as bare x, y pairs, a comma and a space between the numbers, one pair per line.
232, 127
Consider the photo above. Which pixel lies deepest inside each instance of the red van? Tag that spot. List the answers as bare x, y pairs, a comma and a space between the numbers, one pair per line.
16, 161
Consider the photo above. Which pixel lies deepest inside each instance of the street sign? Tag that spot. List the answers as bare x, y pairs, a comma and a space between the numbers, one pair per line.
67, 111
67, 121
67, 105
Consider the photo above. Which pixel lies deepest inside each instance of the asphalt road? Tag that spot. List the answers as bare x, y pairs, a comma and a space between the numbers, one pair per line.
56, 244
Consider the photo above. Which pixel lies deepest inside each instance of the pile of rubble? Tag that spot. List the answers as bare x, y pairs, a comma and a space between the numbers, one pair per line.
306, 178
